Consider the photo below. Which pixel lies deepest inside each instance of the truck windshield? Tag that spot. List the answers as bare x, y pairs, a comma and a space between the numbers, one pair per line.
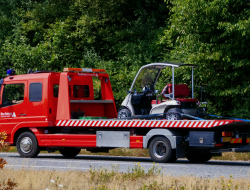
146, 79
13, 94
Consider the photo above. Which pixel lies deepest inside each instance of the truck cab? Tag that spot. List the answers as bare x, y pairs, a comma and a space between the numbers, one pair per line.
33, 100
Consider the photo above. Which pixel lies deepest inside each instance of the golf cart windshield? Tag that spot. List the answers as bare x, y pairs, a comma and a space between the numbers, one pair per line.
146, 79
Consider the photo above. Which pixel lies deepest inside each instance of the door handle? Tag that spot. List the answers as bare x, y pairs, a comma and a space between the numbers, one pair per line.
22, 114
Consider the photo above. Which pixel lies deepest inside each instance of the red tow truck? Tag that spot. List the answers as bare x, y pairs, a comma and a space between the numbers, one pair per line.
75, 110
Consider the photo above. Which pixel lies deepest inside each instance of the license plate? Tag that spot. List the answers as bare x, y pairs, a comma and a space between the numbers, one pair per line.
226, 139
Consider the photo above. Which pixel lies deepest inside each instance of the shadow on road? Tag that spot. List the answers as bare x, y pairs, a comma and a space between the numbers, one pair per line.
126, 159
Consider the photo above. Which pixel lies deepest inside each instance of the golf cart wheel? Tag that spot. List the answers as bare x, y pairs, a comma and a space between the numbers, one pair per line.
123, 113
197, 156
69, 152
160, 150
173, 114
27, 145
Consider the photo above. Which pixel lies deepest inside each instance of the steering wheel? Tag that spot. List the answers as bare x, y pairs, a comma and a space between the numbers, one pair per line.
148, 89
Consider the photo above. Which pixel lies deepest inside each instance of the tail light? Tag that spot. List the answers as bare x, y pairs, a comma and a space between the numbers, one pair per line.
227, 133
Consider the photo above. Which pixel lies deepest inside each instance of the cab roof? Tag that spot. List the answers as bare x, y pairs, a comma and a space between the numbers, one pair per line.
29, 76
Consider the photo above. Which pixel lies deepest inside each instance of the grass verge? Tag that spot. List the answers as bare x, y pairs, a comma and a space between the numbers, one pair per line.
104, 179
232, 156
120, 152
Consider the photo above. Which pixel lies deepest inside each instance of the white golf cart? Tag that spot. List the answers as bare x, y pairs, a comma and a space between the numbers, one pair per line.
142, 99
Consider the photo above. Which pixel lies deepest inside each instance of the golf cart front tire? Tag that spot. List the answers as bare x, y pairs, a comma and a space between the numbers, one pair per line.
173, 114
123, 113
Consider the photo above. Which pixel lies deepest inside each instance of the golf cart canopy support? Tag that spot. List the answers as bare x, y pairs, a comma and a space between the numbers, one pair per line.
162, 65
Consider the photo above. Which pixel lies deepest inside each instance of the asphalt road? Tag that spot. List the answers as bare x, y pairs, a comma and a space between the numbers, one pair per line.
57, 162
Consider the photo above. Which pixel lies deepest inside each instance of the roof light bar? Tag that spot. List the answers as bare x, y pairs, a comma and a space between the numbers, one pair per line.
84, 70
11, 72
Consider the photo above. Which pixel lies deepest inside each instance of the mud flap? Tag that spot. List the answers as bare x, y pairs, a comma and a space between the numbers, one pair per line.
180, 149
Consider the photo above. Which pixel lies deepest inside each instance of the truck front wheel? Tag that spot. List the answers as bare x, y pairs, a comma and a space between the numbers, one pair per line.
27, 145
160, 150
69, 152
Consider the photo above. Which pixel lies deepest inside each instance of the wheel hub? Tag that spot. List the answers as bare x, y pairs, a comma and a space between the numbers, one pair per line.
26, 145
123, 115
159, 149
171, 117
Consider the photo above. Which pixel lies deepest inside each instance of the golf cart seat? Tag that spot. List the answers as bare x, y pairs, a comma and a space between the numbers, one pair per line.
181, 92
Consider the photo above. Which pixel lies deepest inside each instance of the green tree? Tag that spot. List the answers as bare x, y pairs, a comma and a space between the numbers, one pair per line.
215, 36
119, 36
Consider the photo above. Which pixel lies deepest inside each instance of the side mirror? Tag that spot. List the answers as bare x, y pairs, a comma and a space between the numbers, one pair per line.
1, 83
156, 91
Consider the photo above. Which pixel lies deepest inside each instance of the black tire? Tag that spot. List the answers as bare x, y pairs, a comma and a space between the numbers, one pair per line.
173, 114
123, 113
69, 152
27, 145
198, 157
160, 150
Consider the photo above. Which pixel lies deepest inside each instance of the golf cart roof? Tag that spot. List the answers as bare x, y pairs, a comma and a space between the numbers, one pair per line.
168, 64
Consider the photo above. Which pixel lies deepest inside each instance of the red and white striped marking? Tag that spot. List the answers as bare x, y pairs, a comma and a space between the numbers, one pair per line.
144, 123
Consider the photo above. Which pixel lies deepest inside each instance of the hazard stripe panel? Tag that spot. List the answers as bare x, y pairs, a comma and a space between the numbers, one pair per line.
144, 123
236, 140
248, 140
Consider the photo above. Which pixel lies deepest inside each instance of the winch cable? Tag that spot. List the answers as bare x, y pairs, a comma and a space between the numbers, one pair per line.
246, 120
150, 116
187, 115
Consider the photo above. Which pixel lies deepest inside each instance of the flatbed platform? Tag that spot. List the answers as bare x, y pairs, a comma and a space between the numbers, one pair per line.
149, 123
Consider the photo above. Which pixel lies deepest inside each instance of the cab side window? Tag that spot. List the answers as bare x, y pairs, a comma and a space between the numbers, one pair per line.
55, 90
35, 92
12, 94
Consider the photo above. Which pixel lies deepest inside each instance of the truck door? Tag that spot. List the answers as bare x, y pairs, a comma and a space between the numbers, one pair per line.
13, 105
37, 101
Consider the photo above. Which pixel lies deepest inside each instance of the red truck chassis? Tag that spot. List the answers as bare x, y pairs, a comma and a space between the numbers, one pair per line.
75, 109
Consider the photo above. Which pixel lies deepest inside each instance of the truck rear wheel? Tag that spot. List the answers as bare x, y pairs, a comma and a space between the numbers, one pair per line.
200, 157
69, 152
160, 150
27, 145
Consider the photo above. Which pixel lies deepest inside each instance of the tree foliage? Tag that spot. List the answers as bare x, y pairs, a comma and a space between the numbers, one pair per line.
49, 35
215, 36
